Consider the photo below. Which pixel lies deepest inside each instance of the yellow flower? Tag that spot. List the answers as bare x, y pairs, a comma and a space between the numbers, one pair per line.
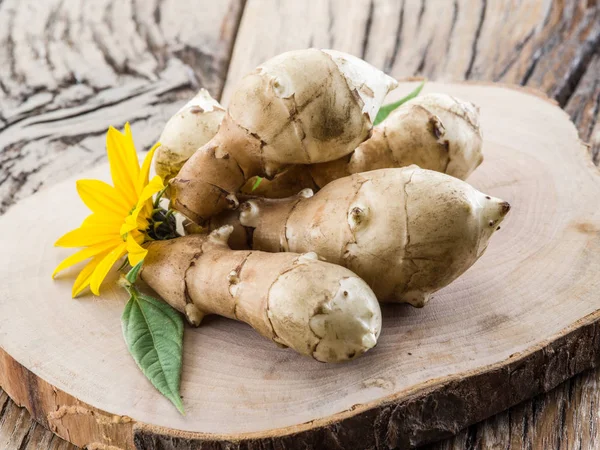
120, 214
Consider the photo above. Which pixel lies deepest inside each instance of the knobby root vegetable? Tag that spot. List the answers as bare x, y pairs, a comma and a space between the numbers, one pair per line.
314, 307
434, 131
189, 129
301, 107
407, 232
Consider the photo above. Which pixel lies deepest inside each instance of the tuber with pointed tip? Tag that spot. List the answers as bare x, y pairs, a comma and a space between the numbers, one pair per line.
407, 232
190, 128
301, 107
434, 131
317, 308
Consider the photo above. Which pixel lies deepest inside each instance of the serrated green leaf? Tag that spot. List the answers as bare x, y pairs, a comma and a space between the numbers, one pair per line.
153, 332
256, 183
132, 275
386, 110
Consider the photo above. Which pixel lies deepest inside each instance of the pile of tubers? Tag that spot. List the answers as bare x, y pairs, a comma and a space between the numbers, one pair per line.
345, 214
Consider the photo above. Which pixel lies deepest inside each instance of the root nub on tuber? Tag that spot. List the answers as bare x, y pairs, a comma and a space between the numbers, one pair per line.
301, 107
407, 232
189, 129
317, 308
434, 131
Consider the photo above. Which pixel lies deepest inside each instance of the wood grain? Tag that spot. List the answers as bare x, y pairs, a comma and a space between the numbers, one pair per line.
564, 419
19, 431
549, 44
542, 44
72, 68
584, 107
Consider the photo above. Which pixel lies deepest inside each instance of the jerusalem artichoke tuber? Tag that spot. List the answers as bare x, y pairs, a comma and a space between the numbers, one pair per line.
317, 308
407, 232
189, 129
301, 107
434, 131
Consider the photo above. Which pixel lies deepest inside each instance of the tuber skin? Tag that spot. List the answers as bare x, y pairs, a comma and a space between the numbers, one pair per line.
189, 129
434, 131
407, 232
316, 308
301, 107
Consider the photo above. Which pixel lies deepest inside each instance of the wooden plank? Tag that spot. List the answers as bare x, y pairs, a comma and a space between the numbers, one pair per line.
42, 439
69, 69
15, 426
19, 431
564, 419
584, 107
546, 45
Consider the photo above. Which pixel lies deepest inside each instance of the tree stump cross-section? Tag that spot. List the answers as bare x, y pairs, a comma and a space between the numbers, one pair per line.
72, 68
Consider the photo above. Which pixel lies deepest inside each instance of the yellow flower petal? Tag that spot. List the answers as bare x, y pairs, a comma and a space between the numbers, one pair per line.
145, 170
83, 279
123, 172
134, 220
83, 255
131, 153
135, 252
154, 186
129, 225
104, 267
98, 220
85, 236
102, 198
124, 210
139, 223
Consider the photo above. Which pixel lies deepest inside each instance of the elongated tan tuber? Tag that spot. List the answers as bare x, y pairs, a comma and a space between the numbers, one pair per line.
407, 232
434, 131
317, 308
189, 129
301, 107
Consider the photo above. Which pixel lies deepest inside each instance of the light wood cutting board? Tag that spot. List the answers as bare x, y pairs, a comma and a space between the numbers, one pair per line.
520, 321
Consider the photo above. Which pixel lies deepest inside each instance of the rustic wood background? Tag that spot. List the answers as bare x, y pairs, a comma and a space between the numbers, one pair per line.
70, 68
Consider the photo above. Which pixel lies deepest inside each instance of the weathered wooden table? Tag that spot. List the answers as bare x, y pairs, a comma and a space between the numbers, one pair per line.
70, 68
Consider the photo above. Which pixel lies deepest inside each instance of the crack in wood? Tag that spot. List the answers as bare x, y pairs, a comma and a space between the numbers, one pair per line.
330, 23
578, 67
452, 25
421, 65
515, 57
476, 39
421, 13
367, 33
27, 437
391, 60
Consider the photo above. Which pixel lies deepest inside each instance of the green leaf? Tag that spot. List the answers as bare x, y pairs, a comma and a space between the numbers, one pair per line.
386, 110
256, 183
153, 332
132, 275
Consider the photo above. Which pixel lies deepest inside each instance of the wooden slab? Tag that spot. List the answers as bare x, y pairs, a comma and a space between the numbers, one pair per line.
71, 68
546, 45
519, 322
